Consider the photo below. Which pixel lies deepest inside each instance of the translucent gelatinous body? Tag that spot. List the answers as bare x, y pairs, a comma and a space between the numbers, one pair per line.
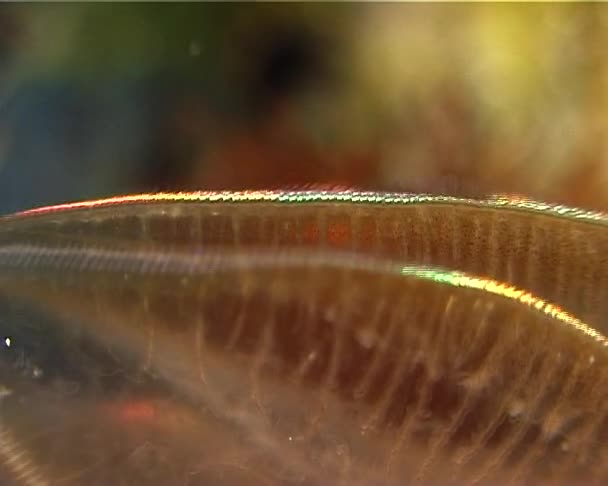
557, 253
140, 355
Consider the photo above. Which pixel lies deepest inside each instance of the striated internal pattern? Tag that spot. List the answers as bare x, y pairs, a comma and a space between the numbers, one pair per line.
356, 339
555, 252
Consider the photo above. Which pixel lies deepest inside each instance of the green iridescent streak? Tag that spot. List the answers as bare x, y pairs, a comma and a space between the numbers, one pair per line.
459, 279
440, 276
408, 199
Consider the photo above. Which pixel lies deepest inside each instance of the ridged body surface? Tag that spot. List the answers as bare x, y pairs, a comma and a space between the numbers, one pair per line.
557, 253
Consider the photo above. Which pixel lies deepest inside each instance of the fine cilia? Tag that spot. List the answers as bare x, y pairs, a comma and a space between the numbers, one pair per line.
303, 338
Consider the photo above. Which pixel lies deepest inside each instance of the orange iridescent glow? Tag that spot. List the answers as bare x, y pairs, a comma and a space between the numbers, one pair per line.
201, 196
136, 411
459, 279
339, 234
311, 232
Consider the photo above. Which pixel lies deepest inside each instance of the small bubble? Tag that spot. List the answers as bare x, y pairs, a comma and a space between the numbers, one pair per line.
194, 49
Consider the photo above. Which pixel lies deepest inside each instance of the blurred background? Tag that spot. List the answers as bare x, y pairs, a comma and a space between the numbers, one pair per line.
460, 99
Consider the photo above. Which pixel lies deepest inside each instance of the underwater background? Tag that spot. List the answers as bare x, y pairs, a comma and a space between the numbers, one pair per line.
458, 99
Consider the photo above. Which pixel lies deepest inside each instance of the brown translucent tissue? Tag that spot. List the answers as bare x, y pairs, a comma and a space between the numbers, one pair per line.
167, 345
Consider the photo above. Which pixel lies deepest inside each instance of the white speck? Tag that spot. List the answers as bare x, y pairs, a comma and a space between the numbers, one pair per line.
516, 409
342, 450
290, 438
37, 372
4, 392
591, 359
7, 341
479, 380
194, 49
366, 338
